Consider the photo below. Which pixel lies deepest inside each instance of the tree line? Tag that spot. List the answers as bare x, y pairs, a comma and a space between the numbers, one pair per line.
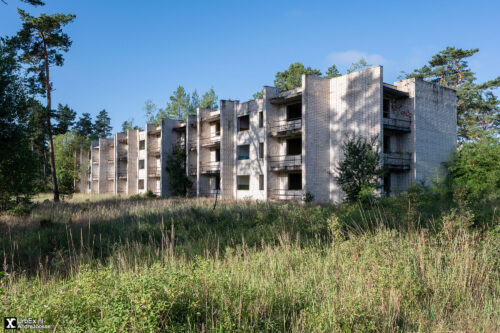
38, 142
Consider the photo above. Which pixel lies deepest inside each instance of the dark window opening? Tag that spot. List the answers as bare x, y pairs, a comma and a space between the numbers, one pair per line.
294, 146
141, 184
295, 181
217, 128
244, 152
261, 119
261, 150
294, 111
217, 182
217, 155
387, 185
142, 144
141, 164
386, 108
243, 183
387, 144
243, 123
261, 182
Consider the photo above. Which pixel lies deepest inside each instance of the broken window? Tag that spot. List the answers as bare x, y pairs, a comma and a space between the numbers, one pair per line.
141, 184
217, 128
243, 183
261, 119
243, 152
294, 146
387, 108
261, 150
294, 111
295, 181
142, 144
141, 164
261, 182
243, 123
387, 144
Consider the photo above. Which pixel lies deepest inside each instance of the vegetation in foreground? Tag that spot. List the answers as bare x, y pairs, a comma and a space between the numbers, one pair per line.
409, 263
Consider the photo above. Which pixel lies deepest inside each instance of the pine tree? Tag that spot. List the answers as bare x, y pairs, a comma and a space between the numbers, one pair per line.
179, 105
209, 100
332, 71
102, 127
292, 77
84, 125
42, 41
478, 111
65, 117
357, 66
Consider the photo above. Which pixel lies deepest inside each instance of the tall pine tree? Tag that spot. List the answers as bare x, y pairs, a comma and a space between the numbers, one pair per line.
42, 41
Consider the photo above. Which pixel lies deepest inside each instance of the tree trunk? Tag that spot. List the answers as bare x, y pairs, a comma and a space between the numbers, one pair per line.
49, 127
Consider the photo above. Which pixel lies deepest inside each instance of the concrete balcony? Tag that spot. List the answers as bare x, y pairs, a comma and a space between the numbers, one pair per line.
192, 145
286, 128
181, 143
154, 172
110, 176
122, 157
155, 132
397, 124
210, 167
284, 163
210, 193
154, 149
122, 174
210, 141
192, 171
212, 116
285, 194
397, 162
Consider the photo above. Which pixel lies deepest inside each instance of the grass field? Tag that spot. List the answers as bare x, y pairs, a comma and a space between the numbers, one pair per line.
114, 264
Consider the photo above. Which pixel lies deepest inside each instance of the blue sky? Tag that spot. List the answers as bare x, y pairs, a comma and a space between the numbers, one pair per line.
125, 52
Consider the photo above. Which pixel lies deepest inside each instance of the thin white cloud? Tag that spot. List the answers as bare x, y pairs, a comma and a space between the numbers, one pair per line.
346, 58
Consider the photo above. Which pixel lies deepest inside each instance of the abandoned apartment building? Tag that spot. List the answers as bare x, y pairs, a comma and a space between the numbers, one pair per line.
286, 144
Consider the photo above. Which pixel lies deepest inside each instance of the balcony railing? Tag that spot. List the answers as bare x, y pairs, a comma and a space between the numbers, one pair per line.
192, 171
155, 132
210, 167
397, 124
285, 162
154, 149
122, 174
285, 194
180, 143
192, 144
213, 140
397, 161
154, 172
210, 193
286, 128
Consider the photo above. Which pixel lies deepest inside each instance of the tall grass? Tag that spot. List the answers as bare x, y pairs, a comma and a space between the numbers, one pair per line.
177, 265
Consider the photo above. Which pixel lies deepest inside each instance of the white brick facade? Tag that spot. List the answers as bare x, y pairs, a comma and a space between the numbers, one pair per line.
288, 143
